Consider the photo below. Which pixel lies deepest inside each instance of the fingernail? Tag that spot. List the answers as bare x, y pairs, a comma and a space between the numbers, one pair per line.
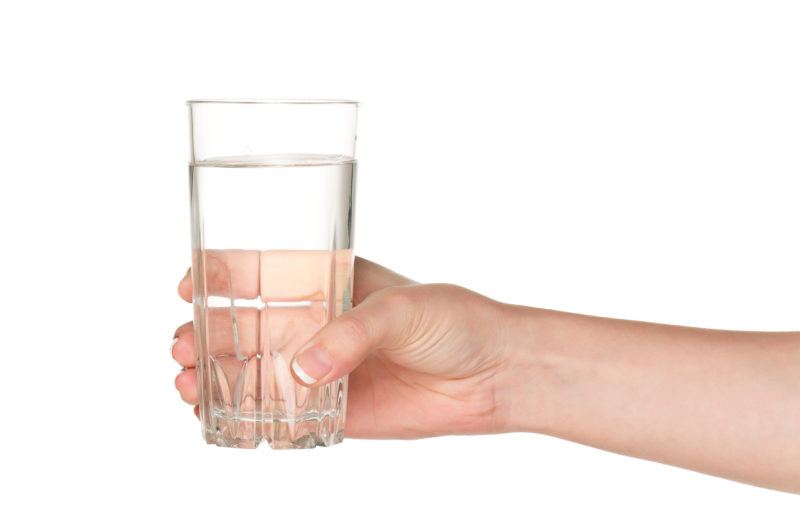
172, 345
312, 364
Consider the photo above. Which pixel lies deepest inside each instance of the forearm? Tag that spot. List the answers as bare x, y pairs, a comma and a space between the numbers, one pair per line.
722, 402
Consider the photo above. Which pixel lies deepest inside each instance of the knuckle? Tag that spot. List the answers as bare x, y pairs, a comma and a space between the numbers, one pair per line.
398, 297
450, 289
355, 327
455, 294
402, 309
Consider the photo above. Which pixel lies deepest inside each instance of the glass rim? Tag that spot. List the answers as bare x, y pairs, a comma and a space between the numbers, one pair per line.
273, 101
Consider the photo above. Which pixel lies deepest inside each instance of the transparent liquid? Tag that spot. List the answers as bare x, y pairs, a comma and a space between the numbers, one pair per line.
272, 264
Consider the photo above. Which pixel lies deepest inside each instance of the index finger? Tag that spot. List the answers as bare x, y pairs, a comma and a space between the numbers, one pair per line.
228, 273
275, 275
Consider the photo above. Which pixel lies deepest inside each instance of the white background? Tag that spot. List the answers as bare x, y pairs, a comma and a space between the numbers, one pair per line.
629, 159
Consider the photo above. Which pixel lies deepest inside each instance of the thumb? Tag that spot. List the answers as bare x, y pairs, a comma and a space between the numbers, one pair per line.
341, 345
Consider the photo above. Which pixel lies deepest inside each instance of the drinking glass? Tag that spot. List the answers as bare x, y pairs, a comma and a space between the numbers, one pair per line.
272, 200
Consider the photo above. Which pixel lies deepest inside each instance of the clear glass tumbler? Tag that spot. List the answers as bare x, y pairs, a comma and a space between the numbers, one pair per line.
272, 189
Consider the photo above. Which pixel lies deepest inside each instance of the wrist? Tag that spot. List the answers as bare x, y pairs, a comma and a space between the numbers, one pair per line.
531, 371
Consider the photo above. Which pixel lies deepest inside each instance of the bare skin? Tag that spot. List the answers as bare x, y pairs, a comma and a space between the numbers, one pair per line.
429, 360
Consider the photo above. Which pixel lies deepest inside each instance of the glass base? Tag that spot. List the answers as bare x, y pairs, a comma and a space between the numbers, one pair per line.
305, 434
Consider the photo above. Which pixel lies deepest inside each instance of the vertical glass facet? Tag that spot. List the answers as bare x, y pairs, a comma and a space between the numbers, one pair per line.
272, 187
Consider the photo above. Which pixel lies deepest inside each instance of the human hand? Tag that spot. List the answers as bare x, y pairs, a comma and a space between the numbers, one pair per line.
428, 360
424, 360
